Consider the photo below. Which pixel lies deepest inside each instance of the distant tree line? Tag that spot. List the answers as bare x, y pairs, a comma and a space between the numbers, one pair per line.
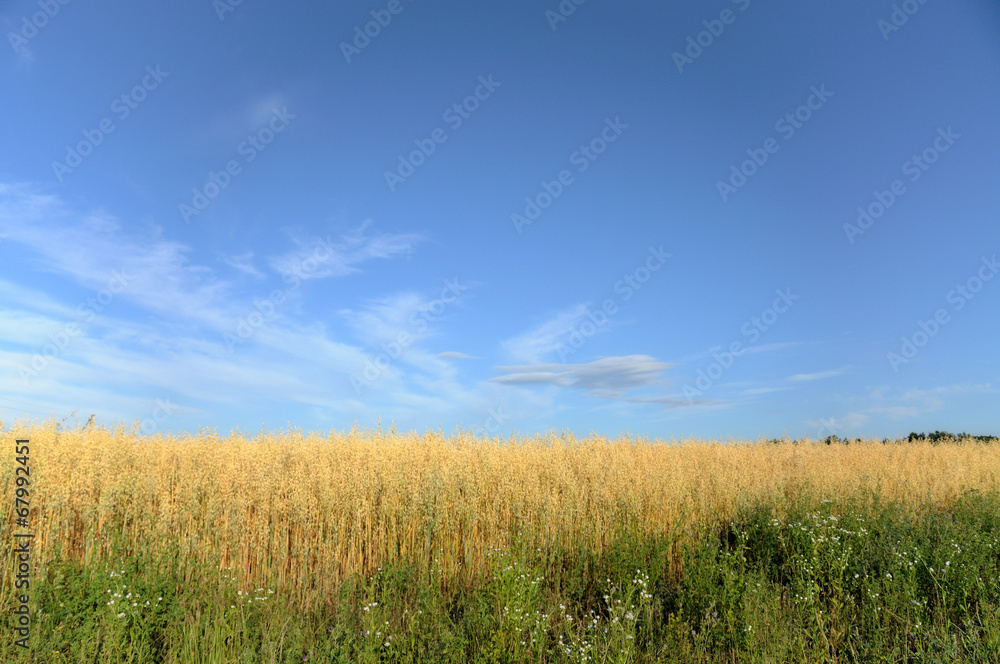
935, 437
938, 436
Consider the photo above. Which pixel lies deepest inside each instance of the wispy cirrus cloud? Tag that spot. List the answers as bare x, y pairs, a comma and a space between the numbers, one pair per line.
396, 328
748, 350
161, 277
343, 257
770, 348
243, 263
383, 319
544, 340
87, 246
799, 378
796, 378
756, 391
163, 332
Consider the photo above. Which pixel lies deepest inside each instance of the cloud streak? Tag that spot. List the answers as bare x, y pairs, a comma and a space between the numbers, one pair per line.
346, 255
606, 378
542, 341
799, 378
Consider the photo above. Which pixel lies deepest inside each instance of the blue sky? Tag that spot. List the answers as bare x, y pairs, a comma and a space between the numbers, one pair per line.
720, 219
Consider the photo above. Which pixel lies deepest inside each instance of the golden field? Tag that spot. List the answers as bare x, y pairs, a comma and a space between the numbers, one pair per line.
303, 511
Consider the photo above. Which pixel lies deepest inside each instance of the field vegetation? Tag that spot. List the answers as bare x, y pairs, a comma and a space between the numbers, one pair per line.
381, 546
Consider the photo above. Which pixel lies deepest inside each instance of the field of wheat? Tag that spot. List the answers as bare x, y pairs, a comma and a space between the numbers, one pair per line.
304, 510
302, 514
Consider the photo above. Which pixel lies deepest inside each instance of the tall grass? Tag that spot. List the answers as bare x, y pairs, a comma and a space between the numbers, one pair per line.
303, 512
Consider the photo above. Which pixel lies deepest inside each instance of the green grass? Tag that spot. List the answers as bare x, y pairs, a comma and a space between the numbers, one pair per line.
828, 582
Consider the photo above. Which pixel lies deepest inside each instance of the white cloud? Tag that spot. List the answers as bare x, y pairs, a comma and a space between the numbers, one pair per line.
382, 320
15, 294
406, 318
321, 258
676, 402
817, 376
607, 378
243, 263
761, 348
163, 333
763, 390
89, 249
455, 355
543, 340
837, 426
